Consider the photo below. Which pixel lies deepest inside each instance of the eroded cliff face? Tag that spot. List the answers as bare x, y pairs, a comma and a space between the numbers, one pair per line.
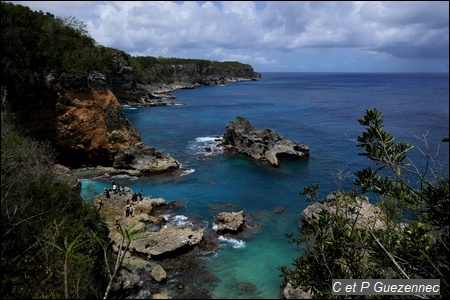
83, 119
92, 127
88, 128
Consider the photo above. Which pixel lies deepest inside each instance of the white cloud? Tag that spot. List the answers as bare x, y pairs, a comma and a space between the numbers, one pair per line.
246, 29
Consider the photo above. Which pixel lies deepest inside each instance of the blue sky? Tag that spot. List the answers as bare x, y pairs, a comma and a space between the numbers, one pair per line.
273, 36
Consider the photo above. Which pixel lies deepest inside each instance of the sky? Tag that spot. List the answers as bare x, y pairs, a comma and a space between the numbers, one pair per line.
273, 36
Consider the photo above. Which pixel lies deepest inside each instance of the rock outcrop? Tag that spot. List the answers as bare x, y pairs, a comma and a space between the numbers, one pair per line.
166, 240
262, 144
230, 221
157, 243
358, 209
150, 244
91, 129
144, 159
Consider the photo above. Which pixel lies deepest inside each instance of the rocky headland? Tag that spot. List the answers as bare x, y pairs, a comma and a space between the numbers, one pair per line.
173, 75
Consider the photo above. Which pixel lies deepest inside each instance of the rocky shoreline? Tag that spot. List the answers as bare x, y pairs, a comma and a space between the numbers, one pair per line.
161, 94
165, 261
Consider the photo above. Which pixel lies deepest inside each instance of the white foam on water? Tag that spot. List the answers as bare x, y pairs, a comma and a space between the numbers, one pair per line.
124, 176
206, 145
126, 106
179, 221
187, 172
234, 242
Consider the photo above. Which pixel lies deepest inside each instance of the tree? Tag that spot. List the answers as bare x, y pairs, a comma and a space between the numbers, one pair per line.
128, 234
415, 236
67, 249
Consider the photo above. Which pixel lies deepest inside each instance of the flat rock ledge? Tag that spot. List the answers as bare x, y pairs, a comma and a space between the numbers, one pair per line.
150, 243
144, 160
261, 144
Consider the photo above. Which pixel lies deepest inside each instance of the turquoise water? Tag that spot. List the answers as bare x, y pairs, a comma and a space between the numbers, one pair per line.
320, 110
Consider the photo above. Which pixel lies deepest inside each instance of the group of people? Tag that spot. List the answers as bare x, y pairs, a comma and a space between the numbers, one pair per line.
115, 188
135, 198
129, 210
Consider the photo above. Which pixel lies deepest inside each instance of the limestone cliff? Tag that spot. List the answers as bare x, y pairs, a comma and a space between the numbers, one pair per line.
88, 128
64, 88
92, 126
85, 122
159, 77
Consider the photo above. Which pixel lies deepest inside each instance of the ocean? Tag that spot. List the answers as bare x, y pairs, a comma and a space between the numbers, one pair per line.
320, 110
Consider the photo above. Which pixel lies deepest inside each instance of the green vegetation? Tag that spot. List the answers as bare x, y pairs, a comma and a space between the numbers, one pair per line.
67, 249
149, 69
412, 244
128, 235
35, 43
39, 212
53, 243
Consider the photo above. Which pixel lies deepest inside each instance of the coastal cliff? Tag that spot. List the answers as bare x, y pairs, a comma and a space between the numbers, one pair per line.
155, 78
63, 88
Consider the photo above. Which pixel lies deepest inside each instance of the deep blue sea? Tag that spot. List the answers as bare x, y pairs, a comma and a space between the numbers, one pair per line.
317, 109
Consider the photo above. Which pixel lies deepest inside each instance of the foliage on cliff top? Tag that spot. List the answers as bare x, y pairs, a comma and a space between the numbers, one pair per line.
34, 43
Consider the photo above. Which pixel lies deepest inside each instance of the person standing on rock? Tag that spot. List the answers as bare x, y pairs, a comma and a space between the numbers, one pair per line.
127, 209
131, 210
100, 203
114, 188
106, 192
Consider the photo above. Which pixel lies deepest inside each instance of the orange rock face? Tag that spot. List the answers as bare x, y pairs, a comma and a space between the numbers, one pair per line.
92, 126
92, 129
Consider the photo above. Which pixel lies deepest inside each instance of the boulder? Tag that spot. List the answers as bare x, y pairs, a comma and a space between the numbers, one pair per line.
262, 144
125, 280
230, 221
158, 273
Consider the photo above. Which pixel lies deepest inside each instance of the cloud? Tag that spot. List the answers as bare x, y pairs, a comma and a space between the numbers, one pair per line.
250, 30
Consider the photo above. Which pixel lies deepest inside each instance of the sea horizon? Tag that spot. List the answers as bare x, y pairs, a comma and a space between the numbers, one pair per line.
355, 72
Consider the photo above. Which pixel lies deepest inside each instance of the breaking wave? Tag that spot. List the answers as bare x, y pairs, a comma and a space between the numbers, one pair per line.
207, 145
